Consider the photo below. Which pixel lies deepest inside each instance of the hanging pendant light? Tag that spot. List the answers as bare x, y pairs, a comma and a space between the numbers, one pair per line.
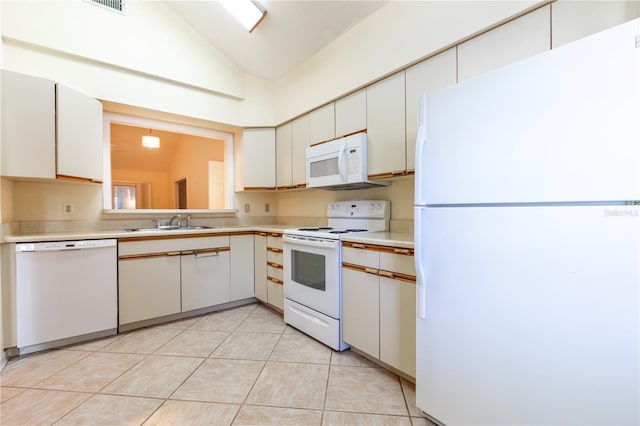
150, 141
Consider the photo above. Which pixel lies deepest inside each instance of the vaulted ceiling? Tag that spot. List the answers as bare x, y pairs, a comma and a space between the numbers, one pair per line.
291, 33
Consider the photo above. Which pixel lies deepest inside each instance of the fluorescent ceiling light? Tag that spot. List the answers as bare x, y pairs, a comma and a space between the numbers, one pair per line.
245, 11
151, 141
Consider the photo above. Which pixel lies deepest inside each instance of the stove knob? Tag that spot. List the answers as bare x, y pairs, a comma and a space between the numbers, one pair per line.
372, 206
379, 206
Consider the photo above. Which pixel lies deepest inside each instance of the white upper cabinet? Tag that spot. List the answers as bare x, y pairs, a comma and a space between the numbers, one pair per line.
571, 20
28, 126
79, 135
515, 40
300, 141
351, 113
49, 130
284, 178
259, 158
322, 124
429, 75
386, 127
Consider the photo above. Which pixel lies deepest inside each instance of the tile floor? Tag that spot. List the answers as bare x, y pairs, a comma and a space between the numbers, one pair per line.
242, 366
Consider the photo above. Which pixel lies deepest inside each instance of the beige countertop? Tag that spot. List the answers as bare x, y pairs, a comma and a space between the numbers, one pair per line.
123, 233
395, 239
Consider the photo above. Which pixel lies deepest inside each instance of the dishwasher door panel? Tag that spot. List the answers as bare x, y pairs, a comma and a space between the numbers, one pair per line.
66, 293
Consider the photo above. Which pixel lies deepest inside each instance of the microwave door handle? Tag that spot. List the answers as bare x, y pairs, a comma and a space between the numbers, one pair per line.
341, 167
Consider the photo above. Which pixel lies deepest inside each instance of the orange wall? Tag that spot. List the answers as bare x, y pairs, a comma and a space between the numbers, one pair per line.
158, 181
191, 161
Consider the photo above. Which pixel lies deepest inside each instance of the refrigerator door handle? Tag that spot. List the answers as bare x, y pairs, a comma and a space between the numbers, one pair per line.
422, 120
420, 267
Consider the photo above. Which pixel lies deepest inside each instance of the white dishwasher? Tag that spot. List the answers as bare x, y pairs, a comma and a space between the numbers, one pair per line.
66, 292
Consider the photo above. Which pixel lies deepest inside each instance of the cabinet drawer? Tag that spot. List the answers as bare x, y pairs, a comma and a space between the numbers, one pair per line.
273, 257
274, 240
402, 263
160, 245
363, 257
275, 295
274, 272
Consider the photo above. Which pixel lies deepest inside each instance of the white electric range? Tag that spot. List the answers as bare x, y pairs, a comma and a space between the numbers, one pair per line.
312, 266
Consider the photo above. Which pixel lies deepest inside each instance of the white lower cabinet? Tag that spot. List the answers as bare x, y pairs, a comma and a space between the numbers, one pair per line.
360, 310
165, 276
242, 266
205, 278
268, 268
379, 303
149, 287
275, 278
260, 265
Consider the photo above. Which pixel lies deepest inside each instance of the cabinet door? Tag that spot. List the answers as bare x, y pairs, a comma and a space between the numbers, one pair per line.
205, 279
398, 324
79, 135
149, 287
275, 294
571, 20
386, 127
515, 40
299, 144
242, 267
259, 158
351, 113
360, 311
284, 177
430, 75
322, 124
260, 265
28, 127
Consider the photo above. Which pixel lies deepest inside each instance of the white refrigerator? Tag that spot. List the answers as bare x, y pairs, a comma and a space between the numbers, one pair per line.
527, 239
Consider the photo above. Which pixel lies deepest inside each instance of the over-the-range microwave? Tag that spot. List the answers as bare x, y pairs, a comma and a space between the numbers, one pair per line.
340, 164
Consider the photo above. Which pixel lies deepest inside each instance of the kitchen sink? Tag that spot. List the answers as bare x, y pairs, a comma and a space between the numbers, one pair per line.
170, 228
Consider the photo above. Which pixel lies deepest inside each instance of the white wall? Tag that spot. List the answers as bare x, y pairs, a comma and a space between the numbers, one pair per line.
149, 58
397, 34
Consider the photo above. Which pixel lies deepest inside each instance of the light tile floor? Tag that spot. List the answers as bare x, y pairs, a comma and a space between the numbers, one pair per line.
243, 366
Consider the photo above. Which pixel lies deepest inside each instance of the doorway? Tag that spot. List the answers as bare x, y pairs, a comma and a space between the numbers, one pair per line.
181, 193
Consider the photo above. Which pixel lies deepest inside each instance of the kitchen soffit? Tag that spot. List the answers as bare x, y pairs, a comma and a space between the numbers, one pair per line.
291, 33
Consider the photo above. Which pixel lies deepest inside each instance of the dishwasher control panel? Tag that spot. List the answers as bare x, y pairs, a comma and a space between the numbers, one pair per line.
65, 245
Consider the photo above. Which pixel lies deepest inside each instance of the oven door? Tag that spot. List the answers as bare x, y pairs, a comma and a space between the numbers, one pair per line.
311, 269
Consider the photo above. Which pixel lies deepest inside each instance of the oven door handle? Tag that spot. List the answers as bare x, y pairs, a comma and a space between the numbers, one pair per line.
310, 242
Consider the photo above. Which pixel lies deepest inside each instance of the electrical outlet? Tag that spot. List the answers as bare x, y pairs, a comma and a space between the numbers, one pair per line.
267, 207
247, 208
67, 209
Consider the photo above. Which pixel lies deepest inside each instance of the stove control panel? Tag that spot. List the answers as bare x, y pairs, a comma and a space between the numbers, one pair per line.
378, 209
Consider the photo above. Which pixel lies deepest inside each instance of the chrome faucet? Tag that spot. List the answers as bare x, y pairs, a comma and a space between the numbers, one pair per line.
170, 223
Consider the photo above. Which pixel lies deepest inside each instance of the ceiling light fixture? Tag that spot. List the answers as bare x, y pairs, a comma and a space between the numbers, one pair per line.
245, 11
150, 141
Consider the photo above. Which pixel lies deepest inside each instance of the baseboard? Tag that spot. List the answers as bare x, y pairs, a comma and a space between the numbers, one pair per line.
3, 359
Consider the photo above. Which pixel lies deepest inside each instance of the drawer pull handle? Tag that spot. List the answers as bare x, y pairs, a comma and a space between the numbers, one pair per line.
401, 251
358, 246
387, 274
215, 253
371, 271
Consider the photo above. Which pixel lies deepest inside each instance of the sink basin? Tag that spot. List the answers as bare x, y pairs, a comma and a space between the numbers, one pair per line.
169, 228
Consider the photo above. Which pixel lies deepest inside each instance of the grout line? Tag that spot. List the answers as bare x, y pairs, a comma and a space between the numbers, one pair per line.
240, 406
